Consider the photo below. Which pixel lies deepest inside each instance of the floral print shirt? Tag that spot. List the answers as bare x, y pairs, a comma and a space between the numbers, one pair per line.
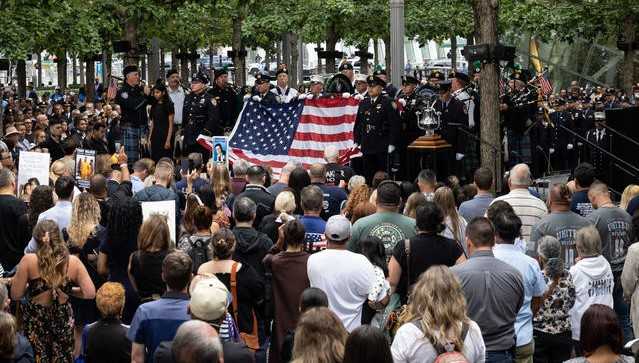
554, 315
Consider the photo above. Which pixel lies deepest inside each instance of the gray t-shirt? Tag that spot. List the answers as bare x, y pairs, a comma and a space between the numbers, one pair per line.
615, 228
563, 226
494, 293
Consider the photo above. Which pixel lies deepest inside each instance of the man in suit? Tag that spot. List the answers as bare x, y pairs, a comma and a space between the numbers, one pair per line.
600, 137
452, 118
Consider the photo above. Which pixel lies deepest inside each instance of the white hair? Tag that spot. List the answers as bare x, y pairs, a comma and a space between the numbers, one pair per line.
331, 153
520, 175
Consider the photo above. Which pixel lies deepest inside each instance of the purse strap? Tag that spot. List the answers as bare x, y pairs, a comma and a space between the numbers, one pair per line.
235, 302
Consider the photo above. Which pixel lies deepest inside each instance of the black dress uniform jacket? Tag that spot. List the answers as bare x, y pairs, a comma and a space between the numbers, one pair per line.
410, 129
377, 125
226, 99
452, 117
133, 102
201, 112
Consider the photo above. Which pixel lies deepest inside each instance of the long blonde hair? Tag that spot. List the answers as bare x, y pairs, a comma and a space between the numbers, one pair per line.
445, 199
221, 182
319, 337
84, 218
53, 255
630, 192
438, 302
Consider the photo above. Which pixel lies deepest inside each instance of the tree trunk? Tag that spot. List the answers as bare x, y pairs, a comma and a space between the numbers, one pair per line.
184, 65
62, 70
629, 32
453, 52
21, 70
211, 67
174, 60
238, 61
194, 63
154, 61
331, 41
387, 53
74, 68
286, 49
375, 52
81, 72
40, 83
294, 71
485, 13
90, 83
363, 58
131, 34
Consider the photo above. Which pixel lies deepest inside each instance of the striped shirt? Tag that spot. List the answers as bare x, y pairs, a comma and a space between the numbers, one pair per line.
527, 207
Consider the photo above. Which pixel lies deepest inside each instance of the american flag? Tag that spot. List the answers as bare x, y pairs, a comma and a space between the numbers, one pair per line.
544, 84
273, 134
113, 88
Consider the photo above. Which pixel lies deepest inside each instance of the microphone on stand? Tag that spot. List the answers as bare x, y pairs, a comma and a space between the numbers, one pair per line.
547, 157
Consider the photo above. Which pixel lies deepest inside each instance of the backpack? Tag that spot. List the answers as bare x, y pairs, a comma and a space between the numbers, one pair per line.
199, 251
445, 355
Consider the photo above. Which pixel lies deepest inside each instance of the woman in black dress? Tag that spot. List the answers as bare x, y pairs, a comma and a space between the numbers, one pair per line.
161, 115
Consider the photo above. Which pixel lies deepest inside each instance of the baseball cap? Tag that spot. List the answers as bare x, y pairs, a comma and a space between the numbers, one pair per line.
209, 299
338, 228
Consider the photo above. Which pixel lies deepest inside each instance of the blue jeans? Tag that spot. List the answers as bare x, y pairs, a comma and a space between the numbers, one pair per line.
623, 310
499, 356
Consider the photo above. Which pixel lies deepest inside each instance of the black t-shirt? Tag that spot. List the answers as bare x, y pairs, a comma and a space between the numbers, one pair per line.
12, 233
426, 250
250, 296
580, 203
336, 172
146, 269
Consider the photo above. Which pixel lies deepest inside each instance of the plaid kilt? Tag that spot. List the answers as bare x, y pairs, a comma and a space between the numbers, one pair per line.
131, 140
518, 148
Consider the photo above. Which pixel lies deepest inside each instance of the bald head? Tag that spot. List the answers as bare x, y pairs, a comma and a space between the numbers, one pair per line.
559, 197
317, 173
519, 177
97, 186
598, 194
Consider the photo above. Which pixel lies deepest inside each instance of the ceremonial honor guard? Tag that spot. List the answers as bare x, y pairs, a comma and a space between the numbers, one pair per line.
517, 110
564, 141
461, 91
452, 117
377, 128
389, 89
315, 89
600, 137
262, 90
133, 100
226, 99
542, 135
283, 93
407, 97
201, 116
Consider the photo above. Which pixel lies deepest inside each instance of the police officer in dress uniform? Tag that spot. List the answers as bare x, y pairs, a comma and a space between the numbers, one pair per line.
377, 128
602, 138
201, 116
361, 86
133, 100
542, 135
407, 97
564, 141
461, 90
517, 112
225, 97
315, 89
452, 117
262, 90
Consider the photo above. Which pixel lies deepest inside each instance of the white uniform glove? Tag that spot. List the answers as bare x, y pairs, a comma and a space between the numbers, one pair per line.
246, 97
301, 96
580, 144
551, 151
346, 95
257, 98
402, 101
569, 146
391, 148
459, 156
358, 97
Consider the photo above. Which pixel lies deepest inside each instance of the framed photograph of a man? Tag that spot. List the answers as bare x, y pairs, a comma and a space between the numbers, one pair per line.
220, 150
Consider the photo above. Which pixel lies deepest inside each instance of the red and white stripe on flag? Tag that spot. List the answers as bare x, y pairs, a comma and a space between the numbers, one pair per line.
546, 86
323, 122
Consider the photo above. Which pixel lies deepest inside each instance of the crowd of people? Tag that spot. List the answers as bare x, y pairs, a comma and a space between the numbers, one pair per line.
327, 264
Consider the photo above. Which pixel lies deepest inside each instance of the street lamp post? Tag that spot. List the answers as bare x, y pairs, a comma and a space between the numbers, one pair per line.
397, 40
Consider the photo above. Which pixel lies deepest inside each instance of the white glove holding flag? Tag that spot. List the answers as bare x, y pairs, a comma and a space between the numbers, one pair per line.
402, 101
257, 98
551, 151
358, 97
301, 96
459, 156
391, 148
569, 146
346, 95
246, 97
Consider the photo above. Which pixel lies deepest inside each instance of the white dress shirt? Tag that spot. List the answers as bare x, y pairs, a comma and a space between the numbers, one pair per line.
177, 97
